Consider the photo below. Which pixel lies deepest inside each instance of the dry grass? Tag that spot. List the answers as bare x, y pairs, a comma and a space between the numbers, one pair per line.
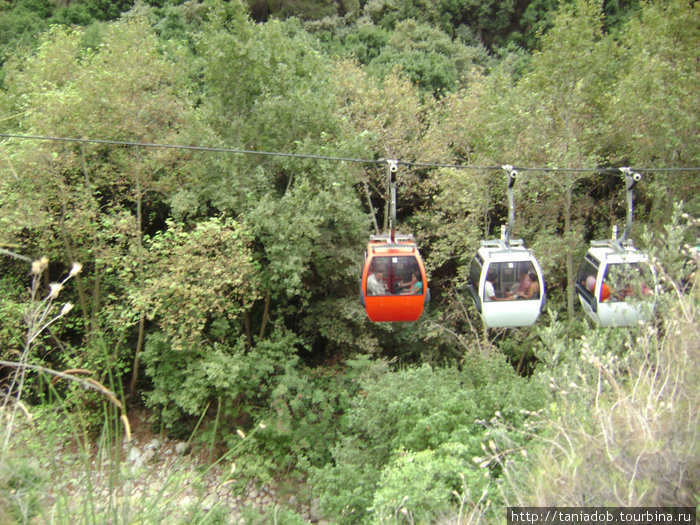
39, 315
624, 432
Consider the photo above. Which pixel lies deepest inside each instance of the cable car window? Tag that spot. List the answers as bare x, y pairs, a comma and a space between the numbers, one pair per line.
395, 275
475, 271
587, 273
510, 281
628, 280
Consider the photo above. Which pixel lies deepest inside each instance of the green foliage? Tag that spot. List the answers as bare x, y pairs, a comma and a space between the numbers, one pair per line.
78, 14
187, 381
556, 111
427, 56
430, 414
419, 51
366, 42
300, 419
490, 19
20, 25
657, 53
297, 245
184, 381
261, 82
89, 202
421, 486
203, 277
310, 9
20, 479
290, 410
535, 20
243, 268
612, 425
54, 471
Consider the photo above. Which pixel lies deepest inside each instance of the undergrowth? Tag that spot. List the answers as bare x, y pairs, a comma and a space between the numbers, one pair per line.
54, 467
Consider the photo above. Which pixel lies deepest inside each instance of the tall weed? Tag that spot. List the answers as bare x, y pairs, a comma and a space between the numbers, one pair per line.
53, 467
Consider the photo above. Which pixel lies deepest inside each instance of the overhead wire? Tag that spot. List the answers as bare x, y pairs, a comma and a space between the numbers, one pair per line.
415, 164
186, 147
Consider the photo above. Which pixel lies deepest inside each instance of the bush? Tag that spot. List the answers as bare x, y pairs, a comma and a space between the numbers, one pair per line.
292, 410
300, 419
419, 486
186, 382
434, 417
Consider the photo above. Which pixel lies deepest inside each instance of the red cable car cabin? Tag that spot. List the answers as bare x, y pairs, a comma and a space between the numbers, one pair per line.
394, 282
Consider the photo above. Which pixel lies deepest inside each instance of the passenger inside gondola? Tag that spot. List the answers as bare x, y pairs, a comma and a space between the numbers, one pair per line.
395, 275
590, 282
489, 288
628, 281
375, 284
501, 285
533, 288
524, 281
412, 287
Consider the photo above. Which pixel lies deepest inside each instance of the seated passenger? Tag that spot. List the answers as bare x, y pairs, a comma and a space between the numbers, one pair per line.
417, 288
490, 292
375, 284
524, 283
604, 289
629, 291
412, 287
533, 290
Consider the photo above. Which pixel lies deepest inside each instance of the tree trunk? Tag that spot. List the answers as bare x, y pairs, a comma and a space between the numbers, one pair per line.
266, 313
371, 209
96, 299
71, 258
137, 356
142, 318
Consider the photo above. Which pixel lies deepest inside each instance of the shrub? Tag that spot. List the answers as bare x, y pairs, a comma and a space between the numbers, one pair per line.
293, 409
419, 486
623, 429
300, 418
434, 416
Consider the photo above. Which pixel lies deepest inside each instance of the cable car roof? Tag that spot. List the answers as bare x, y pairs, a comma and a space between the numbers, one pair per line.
500, 251
615, 252
401, 245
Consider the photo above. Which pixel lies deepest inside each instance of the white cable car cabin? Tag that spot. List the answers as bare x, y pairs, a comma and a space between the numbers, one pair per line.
506, 284
505, 280
616, 285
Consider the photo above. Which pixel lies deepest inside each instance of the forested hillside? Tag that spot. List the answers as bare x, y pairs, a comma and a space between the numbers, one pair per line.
186, 193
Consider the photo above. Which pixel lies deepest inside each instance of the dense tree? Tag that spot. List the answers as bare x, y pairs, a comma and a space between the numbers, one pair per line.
653, 109
562, 100
427, 56
94, 198
264, 84
552, 116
